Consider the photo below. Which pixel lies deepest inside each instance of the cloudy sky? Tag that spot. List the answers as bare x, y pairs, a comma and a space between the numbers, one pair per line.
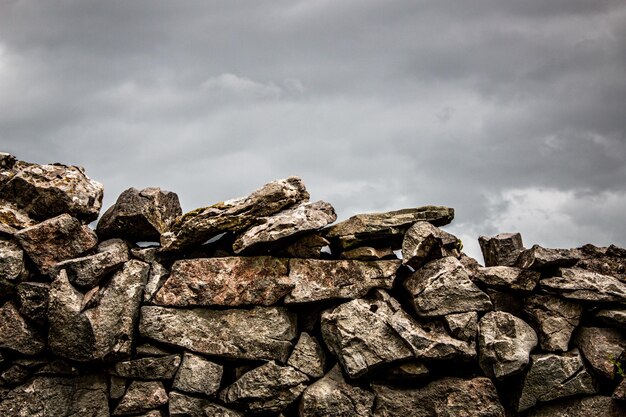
513, 112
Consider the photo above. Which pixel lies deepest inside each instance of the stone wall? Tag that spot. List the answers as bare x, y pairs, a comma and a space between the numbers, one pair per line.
260, 306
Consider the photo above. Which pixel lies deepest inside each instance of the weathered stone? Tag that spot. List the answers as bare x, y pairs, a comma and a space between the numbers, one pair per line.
508, 278
84, 396
140, 215
153, 413
271, 231
552, 376
263, 333
463, 326
556, 319
87, 271
214, 410
202, 224
268, 388
32, 299
13, 219
613, 317
197, 375
443, 287
317, 280
156, 279
58, 367
601, 347
508, 302
117, 387
55, 240
502, 249
539, 258
620, 391
333, 396
447, 397
11, 260
181, 405
505, 343
163, 367
406, 371
231, 281
596, 406
308, 246
424, 242
579, 284
308, 357
45, 191
14, 375
16, 334
366, 333
606, 261
367, 253
141, 396
374, 229
148, 350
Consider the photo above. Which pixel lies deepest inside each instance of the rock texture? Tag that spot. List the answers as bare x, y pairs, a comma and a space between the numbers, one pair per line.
502, 249
16, 334
11, 260
602, 347
308, 357
424, 242
583, 285
538, 258
581, 407
197, 375
163, 367
508, 278
141, 396
556, 319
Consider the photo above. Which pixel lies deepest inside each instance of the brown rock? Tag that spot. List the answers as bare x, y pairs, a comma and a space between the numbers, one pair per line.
163, 367
595, 406
308, 357
32, 299
367, 253
508, 278
613, 317
583, 285
197, 375
11, 260
601, 347
16, 334
308, 246
539, 258
463, 326
141, 396
556, 319
424, 242
502, 249
13, 219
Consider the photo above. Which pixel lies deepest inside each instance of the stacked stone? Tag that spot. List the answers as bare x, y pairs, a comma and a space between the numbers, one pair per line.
258, 306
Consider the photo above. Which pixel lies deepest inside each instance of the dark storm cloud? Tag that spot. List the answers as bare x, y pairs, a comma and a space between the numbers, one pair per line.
510, 111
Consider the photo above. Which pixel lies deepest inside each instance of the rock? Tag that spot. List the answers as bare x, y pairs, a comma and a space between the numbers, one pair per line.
443, 287
508, 278
148, 350
553, 376
181, 405
620, 391
202, 224
262, 333
55, 240
214, 410
556, 319
32, 299
14, 375
231, 281
424, 242
45, 191
601, 347
596, 406
407, 371
58, 397
308, 246
441, 398
163, 367
16, 334
367, 253
87, 271
11, 260
391, 335
333, 396
613, 317
140, 215
505, 343
317, 280
117, 387
141, 396
463, 326
388, 229
579, 284
268, 388
502, 249
197, 375
13, 219
308, 357
271, 231
539, 258
508, 302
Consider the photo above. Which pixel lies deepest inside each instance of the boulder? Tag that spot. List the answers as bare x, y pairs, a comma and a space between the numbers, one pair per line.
308, 357
595, 406
197, 375
16, 334
602, 347
424, 242
463, 326
163, 367
11, 260
32, 299
539, 258
583, 285
502, 249
141, 396
508, 278
368, 253
556, 319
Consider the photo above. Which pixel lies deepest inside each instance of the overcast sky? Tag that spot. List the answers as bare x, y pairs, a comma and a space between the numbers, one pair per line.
512, 112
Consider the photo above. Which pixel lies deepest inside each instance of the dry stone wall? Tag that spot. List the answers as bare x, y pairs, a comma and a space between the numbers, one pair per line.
261, 306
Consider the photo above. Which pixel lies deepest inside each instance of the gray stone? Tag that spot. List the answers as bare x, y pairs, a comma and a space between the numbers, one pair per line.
163, 367
11, 260
32, 299
508, 278
556, 319
156, 279
613, 317
141, 396
424, 242
197, 375
367, 253
443, 287
463, 326
595, 406
262, 333
601, 347
317, 280
308, 357
539, 258
268, 388
502, 249
583, 285
16, 334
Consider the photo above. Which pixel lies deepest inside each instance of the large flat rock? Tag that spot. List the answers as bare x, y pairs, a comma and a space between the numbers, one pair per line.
580, 284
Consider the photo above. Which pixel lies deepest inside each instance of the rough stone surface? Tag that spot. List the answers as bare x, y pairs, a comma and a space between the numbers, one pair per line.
32, 299
308, 357
447, 397
117, 387
595, 406
215, 410
16, 334
268, 388
606, 261
308, 246
539, 258
388, 228
263, 333
230, 281
181, 405
317, 280
202, 224
502, 249
406, 371
556, 319
163, 367
443, 287
601, 347
197, 375
508, 278
620, 391
333, 396
583, 285
424, 242
55, 240
613, 317
505, 343
367, 253
11, 260
141, 396
13, 219
463, 326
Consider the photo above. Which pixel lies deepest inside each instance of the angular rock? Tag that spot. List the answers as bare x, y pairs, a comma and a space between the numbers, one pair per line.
140, 215
424, 242
601, 347
16, 334
367, 253
463, 326
308, 357
596, 406
539, 258
32, 299
333, 396
263, 333
11, 260
55, 240
163, 367
202, 224
579, 284
552, 376
502, 249
45, 191
606, 261
508, 278
506, 301
268, 388
556, 319
181, 405
620, 391
197, 375
141, 396
13, 219
231, 281
441, 398
271, 231
443, 287
505, 343
147, 350
317, 280
613, 317
406, 371
117, 387
215, 410
14, 375
308, 246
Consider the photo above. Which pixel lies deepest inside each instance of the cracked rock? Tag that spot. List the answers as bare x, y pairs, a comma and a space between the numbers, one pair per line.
463, 326
308, 246
32, 299
508, 278
556, 319
141, 396
163, 367
197, 375
13, 219
308, 357
601, 347
539, 258
502, 249
16, 334
424, 242
583, 285
11, 260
